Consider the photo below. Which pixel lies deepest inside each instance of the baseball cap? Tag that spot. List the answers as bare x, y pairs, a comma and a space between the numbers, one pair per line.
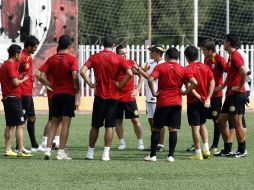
157, 48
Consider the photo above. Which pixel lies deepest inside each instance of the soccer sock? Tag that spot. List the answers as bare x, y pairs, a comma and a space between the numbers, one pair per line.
241, 147
121, 141
31, 133
227, 147
90, 149
155, 138
56, 140
60, 152
44, 141
172, 143
161, 145
205, 147
140, 141
198, 151
106, 150
216, 135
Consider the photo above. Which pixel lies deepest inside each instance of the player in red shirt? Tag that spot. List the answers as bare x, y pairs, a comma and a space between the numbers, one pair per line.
218, 66
198, 101
11, 92
234, 105
63, 68
107, 66
26, 67
127, 103
171, 77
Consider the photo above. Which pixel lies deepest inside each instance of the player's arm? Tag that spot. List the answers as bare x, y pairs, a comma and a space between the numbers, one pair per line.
243, 74
44, 80
83, 73
16, 82
192, 84
151, 86
137, 69
38, 77
127, 77
210, 93
140, 82
75, 80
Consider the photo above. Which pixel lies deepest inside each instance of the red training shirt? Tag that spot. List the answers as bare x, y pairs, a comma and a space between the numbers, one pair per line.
171, 77
60, 67
203, 75
107, 66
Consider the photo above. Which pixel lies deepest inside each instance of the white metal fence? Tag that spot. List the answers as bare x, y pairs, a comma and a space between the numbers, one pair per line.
141, 55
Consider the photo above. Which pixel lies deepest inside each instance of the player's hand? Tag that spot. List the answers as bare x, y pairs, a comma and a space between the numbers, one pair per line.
117, 84
184, 93
49, 88
25, 78
207, 103
236, 88
155, 94
134, 92
217, 89
93, 85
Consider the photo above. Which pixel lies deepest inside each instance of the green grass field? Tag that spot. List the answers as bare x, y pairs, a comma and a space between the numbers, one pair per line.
126, 170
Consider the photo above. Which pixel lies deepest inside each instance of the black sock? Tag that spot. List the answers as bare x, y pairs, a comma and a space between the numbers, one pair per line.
216, 135
241, 147
155, 138
31, 133
227, 147
172, 143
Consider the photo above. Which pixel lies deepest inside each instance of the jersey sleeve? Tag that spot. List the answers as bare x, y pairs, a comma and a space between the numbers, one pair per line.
156, 72
187, 75
210, 74
12, 71
74, 64
123, 64
89, 62
222, 64
237, 60
45, 67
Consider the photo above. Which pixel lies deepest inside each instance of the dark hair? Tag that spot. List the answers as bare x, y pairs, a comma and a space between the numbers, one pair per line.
64, 42
119, 47
13, 50
232, 39
109, 41
172, 53
191, 53
209, 45
31, 41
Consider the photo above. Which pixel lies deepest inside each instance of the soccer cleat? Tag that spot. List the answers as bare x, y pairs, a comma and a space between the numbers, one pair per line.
40, 148
47, 156
24, 154
206, 154
90, 155
25, 151
213, 149
150, 159
240, 154
10, 153
141, 146
160, 148
191, 148
121, 146
223, 153
63, 157
105, 157
170, 159
196, 157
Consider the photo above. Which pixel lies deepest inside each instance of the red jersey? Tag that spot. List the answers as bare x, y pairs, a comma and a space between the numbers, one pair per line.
107, 66
60, 67
125, 92
8, 71
26, 66
235, 61
203, 75
218, 66
171, 77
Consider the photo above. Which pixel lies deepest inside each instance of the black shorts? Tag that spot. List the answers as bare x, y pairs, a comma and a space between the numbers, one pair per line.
63, 105
129, 108
28, 106
234, 104
104, 109
167, 116
196, 113
13, 111
50, 108
214, 111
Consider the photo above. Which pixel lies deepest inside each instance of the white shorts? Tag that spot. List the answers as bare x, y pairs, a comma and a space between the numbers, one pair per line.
150, 109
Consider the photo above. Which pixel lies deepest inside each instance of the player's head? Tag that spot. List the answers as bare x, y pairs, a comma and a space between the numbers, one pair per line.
64, 42
191, 53
172, 53
121, 50
14, 52
208, 48
156, 51
109, 41
31, 43
231, 41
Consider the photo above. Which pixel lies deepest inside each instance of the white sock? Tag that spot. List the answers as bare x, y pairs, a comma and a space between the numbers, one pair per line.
140, 141
56, 139
161, 145
60, 152
121, 141
205, 147
47, 149
90, 149
198, 151
106, 149
44, 140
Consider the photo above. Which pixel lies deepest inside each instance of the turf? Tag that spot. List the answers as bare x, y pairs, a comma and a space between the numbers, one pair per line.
126, 170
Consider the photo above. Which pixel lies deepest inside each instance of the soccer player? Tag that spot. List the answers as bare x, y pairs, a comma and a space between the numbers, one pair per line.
26, 68
11, 92
156, 53
218, 66
107, 66
234, 105
171, 77
198, 101
127, 104
64, 70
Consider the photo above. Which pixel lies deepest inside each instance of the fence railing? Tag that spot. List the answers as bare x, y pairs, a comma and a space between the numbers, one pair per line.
140, 54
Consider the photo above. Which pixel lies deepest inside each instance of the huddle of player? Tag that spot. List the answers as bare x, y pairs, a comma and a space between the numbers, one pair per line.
115, 96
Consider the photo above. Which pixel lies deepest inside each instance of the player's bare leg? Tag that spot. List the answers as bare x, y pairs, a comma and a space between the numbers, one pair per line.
139, 132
